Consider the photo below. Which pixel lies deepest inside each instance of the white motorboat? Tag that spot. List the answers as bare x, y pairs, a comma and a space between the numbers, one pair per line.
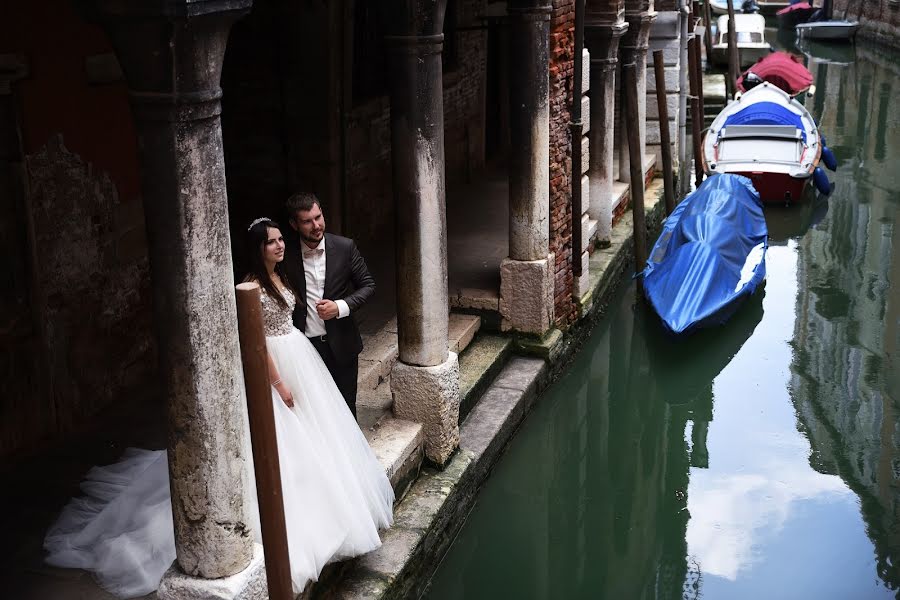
769, 137
751, 39
835, 30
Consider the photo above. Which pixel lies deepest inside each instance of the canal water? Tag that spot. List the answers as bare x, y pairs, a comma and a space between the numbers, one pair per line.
758, 460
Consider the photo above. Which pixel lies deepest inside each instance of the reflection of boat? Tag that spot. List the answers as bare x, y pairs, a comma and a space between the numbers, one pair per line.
751, 40
710, 255
771, 138
790, 16
837, 31
781, 69
832, 54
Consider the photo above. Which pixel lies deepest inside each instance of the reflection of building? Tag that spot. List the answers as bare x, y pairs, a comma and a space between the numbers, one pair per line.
845, 378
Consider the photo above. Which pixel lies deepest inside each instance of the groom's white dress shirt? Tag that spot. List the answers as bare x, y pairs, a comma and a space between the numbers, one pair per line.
314, 268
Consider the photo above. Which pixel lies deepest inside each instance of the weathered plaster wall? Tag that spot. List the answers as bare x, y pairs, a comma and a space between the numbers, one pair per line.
81, 339
562, 48
879, 19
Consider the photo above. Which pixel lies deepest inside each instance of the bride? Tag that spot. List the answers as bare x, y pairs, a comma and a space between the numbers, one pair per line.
336, 495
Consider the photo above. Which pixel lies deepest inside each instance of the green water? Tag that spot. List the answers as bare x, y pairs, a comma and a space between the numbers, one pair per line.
759, 460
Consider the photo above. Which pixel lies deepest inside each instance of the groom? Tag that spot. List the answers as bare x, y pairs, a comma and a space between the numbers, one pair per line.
331, 280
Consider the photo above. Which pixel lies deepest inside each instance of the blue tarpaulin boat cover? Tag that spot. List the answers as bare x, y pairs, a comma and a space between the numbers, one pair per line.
710, 255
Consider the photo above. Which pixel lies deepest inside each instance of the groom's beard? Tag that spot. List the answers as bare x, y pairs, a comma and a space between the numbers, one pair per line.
312, 240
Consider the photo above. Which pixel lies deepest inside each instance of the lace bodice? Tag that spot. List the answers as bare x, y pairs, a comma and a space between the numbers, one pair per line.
277, 318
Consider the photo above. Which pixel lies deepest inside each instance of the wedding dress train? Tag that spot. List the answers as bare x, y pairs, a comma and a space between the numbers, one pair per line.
336, 494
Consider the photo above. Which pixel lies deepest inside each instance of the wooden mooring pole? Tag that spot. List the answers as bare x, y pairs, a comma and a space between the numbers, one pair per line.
636, 162
696, 82
697, 138
262, 439
707, 35
665, 143
733, 61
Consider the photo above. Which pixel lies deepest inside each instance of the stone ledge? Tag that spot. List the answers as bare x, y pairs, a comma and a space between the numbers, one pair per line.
426, 521
546, 347
462, 329
397, 445
478, 366
477, 299
608, 264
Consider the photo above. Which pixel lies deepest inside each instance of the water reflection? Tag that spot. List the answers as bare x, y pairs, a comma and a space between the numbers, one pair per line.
761, 459
845, 372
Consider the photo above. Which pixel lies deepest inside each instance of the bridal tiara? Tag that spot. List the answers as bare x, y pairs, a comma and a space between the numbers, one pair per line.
257, 222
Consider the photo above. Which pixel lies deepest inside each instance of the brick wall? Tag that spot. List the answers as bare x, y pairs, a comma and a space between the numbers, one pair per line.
562, 46
879, 19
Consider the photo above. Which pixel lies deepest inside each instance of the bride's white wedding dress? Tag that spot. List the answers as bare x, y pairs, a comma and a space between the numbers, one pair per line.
336, 494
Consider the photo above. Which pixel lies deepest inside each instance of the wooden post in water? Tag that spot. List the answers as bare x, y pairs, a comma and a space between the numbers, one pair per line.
262, 439
629, 80
707, 36
665, 144
698, 73
695, 82
697, 135
733, 61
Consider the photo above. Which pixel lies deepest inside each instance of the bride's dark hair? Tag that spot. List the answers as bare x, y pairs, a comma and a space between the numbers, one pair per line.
256, 238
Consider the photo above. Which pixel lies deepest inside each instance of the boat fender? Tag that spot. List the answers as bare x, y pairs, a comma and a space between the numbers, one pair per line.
828, 158
820, 178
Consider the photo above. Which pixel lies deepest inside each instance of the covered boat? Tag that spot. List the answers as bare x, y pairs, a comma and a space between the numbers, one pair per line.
771, 138
789, 16
710, 255
751, 39
781, 69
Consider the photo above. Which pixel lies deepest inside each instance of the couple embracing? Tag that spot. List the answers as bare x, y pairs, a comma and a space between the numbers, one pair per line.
335, 492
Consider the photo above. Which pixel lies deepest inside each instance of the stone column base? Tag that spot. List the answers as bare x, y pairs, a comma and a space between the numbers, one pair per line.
249, 584
526, 295
430, 395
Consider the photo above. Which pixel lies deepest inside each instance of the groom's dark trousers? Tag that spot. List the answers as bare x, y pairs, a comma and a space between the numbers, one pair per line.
346, 278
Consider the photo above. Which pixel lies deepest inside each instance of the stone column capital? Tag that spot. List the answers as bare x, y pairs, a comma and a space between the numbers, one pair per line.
602, 41
100, 10
179, 80
13, 67
638, 35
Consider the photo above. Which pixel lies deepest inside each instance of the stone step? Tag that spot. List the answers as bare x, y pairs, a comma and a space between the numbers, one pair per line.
478, 366
462, 331
374, 405
399, 447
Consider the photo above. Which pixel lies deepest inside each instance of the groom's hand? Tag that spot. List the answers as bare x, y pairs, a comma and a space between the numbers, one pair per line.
327, 309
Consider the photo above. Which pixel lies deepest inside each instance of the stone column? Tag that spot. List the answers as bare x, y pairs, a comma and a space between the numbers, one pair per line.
633, 49
425, 381
171, 54
526, 276
604, 25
